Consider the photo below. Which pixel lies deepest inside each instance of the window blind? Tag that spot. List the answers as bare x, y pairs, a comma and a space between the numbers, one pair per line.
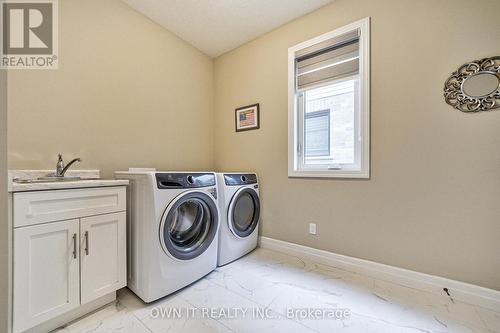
332, 59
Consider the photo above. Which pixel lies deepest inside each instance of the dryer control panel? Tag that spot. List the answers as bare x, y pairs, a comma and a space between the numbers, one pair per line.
234, 179
184, 180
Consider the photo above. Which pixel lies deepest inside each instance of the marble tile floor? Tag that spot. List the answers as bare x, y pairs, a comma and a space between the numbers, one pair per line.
268, 291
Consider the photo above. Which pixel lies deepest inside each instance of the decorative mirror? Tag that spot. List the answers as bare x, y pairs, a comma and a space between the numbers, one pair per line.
475, 86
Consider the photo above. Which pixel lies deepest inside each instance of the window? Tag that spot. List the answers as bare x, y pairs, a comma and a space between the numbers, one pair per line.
329, 104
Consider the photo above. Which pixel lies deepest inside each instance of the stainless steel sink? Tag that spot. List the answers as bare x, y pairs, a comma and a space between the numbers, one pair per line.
47, 180
58, 179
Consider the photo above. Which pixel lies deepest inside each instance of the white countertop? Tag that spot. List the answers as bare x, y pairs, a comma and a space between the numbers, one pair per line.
90, 178
84, 183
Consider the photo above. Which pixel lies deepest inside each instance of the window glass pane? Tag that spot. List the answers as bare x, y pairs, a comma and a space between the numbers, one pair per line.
329, 123
317, 133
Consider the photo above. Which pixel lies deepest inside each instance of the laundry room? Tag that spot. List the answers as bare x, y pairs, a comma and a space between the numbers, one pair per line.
249, 166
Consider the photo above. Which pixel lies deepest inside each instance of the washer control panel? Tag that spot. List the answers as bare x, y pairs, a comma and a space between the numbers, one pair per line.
184, 180
233, 179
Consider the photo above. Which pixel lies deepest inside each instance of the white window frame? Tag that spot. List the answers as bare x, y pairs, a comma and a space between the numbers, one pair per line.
295, 168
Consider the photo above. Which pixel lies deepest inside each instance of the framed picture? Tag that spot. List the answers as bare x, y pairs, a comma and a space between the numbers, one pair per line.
247, 118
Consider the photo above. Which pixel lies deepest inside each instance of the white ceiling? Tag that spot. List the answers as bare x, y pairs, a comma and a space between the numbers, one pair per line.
218, 26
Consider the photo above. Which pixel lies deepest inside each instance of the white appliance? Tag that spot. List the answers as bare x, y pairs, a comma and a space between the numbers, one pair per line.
172, 227
239, 203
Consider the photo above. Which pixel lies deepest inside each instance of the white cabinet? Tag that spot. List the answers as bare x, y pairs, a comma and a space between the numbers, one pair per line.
46, 272
62, 265
47, 206
103, 261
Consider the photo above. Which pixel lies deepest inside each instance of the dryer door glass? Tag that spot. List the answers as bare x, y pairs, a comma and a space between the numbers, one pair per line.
245, 212
189, 226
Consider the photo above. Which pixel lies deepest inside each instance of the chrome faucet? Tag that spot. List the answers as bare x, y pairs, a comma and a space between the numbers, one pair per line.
61, 169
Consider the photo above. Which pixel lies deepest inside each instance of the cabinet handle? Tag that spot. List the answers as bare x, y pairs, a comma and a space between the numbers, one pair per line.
74, 246
86, 242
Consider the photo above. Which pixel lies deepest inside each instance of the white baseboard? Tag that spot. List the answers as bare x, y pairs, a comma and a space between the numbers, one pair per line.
460, 291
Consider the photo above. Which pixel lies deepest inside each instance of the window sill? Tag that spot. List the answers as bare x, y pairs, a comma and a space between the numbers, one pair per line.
330, 174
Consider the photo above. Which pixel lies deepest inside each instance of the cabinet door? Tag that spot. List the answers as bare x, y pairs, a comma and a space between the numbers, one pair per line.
103, 256
46, 272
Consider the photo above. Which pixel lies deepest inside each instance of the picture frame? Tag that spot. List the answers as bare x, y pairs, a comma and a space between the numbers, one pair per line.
247, 118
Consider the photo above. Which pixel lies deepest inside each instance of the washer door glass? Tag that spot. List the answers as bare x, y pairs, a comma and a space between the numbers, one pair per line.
245, 212
189, 226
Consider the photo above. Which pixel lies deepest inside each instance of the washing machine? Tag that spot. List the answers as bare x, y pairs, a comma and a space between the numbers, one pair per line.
172, 230
239, 204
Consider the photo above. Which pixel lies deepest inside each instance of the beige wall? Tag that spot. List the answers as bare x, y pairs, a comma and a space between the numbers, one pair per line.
4, 230
127, 93
433, 201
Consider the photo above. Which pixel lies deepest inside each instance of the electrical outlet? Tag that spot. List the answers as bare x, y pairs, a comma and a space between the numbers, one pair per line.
312, 228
